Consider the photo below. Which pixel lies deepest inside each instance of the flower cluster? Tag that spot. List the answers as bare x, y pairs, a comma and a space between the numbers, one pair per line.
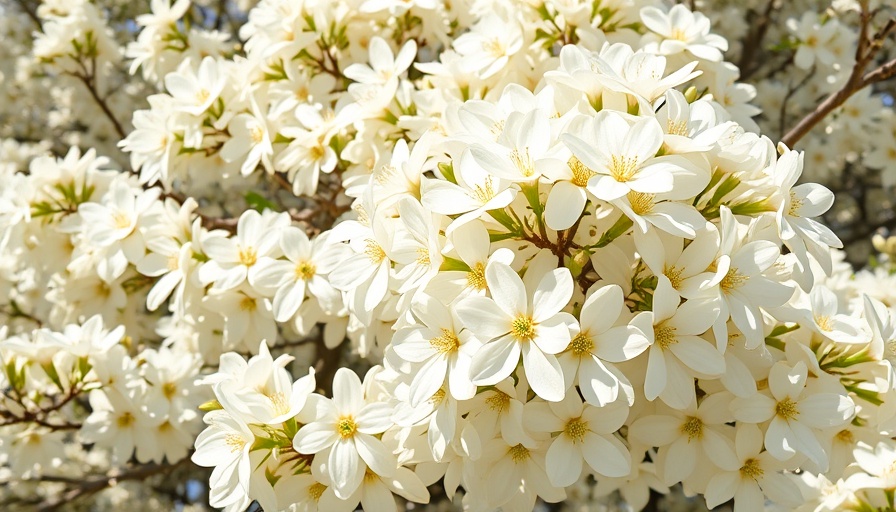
553, 230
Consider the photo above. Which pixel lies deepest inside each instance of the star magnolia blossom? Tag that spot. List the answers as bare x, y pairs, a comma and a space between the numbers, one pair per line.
550, 235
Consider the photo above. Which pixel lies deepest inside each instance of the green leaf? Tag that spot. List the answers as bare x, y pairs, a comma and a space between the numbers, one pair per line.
258, 202
447, 170
449, 264
621, 227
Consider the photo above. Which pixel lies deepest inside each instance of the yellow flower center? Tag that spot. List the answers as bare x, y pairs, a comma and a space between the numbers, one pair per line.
169, 389
576, 429
235, 442
674, 275
751, 469
498, 402
665, 335
485, 192
824, 322
126, 420
522, 328
248, 304
642, 203
795, 205
476, 277
733, 280
494, 47
692, 427
581, 173
437, 397
202, 95
677, 127
316, 491
248, 256
581, 345
257, 134
519, 453
523, 162
173, 262
279, 403
374, 251
423, 256
346, 427
446, 343
623, 168
305, 270
846, 436
121, 220
787, 409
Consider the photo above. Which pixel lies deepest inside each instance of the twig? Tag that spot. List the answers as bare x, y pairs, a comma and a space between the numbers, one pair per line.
88, 77
858, 79
790, 92
752, 42
85, 488
30, 12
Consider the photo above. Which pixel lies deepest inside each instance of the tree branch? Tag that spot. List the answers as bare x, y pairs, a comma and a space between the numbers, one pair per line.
88, 77
866, 50
82, 488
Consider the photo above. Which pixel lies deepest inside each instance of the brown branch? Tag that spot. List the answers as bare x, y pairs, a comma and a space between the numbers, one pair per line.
752, 42
83, 488
868, 230
88, 77
866, 50
791, 90
31, 13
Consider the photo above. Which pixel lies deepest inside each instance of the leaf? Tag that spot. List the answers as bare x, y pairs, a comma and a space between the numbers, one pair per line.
256, 201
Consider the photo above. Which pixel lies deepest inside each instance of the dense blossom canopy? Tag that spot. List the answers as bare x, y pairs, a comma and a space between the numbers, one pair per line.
316, 255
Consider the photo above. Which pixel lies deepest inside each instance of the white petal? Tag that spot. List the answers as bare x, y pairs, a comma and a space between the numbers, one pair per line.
544, 374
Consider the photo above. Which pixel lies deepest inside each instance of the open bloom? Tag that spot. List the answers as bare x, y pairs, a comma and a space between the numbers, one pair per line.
622, 155
602, 339
511, 323
584, 433
345, 426
794, 412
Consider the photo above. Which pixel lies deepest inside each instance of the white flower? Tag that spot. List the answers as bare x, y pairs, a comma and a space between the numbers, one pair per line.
689, 438
794, 412
677, 354
759, 474
232, 260
512, 323
118, 422
195, 91
584, 433
250, 138
680, 30
801, 234
441, 349
815, 40
301, 274
476, 192
384, 66
878, 464
344, 427
488, 46
224, 445
171, 261
825, 318
604, 337
266, 392
517, 475
622, 156
744, 288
